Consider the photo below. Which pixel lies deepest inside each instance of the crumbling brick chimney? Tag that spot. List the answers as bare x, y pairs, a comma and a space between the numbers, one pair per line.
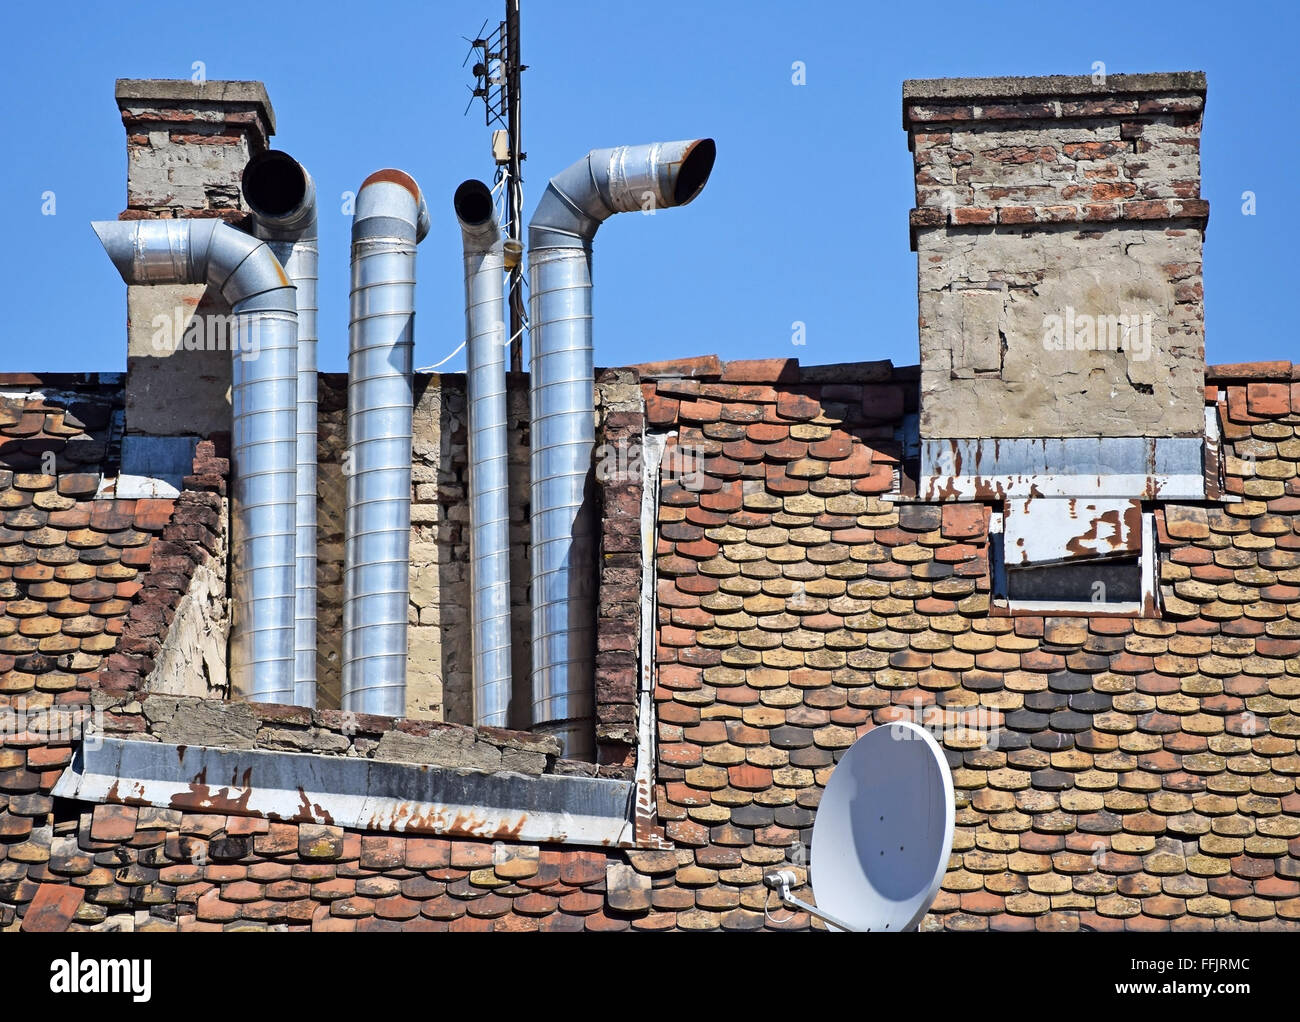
187, 144
1058, 228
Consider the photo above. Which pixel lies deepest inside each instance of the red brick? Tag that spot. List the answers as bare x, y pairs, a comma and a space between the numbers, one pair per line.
963, 521
703, 365
427, 853
152, 515
1268, 400
397, 907
797, 406
52, 908
856, 465
113, 823
471, 854
748, 777
779, 483
699, 411
661, 411
578, 869
761, 370
382, 852
211, 909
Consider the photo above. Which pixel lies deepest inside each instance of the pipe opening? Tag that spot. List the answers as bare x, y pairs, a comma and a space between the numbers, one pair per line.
473, 203
696, 167
274, 184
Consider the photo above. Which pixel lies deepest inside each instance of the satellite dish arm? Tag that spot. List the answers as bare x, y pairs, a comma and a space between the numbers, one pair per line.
782, 881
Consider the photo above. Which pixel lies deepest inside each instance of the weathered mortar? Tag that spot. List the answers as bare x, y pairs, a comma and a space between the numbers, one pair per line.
1059, 197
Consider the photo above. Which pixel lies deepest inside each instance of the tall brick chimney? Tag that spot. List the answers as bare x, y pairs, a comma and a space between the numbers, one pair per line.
1058, 229
186, 145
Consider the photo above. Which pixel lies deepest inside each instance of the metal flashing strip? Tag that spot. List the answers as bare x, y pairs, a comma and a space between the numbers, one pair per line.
361, 794
653, 446
1055, 530
1150, 468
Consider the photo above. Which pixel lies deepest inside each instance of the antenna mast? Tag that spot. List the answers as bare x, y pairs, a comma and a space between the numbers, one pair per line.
496, 82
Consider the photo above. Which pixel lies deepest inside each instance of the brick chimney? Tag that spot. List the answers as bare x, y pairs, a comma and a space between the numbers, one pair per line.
186, 145
1058, 229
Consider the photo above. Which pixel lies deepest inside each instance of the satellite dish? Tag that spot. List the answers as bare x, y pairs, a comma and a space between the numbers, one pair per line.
883, 832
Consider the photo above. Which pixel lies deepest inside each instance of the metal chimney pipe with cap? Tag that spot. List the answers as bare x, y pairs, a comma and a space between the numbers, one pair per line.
282, 197
489, 473
391, 218
264, 364
576, 202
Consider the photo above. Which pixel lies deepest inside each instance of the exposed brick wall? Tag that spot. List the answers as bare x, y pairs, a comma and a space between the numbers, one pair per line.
618, 610
439, 682
1057, 197
192, 531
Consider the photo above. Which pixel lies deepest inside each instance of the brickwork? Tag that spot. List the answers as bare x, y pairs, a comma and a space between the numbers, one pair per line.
439, 684
1045, 201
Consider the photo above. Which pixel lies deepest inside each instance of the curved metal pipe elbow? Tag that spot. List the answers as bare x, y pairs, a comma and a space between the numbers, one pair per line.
489, 452
282, 198
264, 416
391, 217
621, 179
280, 195
564, 536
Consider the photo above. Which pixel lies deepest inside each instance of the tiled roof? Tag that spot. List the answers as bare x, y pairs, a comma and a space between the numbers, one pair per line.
70, 564
1143, 771
1111, 772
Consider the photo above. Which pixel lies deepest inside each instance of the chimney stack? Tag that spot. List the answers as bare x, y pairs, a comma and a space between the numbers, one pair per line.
187, 144
1058, 230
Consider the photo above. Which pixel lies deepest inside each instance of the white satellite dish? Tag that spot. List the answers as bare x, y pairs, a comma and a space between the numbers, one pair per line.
883, 833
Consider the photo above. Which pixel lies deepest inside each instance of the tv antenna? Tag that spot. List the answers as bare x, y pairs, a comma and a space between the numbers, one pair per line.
497, 68
882, 836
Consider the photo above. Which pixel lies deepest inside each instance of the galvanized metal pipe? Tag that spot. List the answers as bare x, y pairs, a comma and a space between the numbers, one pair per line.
282, 197
264, 365
390, 219
489, 470
576, 202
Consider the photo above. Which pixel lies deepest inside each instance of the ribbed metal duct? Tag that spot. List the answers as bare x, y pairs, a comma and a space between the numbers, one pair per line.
391, 218
282, 197
489, 474
264, 364
576, 202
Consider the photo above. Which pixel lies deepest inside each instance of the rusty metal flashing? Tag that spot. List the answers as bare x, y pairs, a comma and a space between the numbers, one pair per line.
1054, 530
361, 794
1148, 468
1000, 605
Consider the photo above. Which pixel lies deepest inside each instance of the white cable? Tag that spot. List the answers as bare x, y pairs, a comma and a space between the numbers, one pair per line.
429, 369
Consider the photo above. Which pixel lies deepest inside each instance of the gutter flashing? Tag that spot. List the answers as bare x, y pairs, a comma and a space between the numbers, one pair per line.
355, 793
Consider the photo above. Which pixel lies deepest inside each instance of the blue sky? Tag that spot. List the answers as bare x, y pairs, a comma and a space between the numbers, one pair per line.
805, 218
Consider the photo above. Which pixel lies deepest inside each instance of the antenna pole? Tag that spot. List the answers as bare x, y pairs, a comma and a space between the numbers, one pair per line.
515, 197
496, 83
